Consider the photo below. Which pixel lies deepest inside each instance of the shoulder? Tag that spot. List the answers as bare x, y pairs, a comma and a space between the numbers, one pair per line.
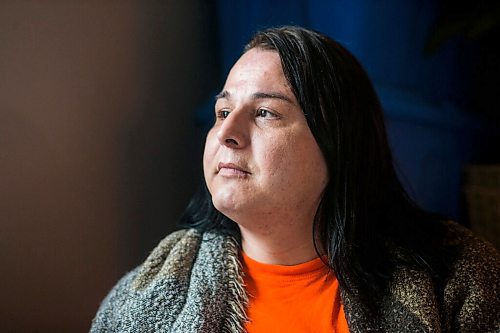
469, 256
461, 296
471, 289
166, 268
189, 278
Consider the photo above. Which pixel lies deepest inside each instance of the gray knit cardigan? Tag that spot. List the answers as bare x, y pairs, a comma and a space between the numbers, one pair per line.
193, 282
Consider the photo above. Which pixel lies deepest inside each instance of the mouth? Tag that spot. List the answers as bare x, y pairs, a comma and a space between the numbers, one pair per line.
231, 170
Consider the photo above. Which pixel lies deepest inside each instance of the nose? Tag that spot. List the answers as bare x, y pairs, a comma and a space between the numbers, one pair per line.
233, 132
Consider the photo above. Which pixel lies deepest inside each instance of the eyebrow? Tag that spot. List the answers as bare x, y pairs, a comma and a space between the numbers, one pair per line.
257, 95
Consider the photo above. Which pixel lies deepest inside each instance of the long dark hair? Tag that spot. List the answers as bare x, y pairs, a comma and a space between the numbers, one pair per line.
365, 215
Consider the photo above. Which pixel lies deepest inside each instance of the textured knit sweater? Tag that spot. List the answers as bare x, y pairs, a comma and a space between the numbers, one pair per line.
193, 282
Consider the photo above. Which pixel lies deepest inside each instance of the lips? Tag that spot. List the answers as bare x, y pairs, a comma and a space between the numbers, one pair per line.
231, 170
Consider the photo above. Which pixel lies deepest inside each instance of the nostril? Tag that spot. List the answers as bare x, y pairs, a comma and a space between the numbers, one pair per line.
231, 142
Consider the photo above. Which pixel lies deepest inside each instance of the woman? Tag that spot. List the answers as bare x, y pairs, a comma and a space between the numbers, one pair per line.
303, 224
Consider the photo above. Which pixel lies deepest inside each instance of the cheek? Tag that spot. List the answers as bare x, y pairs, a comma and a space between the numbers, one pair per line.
209, 154
303, 164
280, 159
274, 159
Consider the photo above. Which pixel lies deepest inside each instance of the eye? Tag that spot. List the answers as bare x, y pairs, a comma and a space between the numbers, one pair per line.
263, 113
222, 114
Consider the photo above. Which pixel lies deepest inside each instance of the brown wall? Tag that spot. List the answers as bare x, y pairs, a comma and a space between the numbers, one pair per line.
98, 148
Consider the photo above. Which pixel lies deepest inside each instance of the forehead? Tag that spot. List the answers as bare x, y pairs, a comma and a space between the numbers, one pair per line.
258, 67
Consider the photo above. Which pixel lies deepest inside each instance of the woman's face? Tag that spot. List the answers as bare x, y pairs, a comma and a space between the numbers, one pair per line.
261, 158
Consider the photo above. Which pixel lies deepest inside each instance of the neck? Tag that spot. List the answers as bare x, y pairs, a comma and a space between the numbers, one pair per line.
288, 246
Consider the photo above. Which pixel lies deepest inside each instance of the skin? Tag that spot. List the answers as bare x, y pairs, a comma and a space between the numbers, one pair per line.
262, 164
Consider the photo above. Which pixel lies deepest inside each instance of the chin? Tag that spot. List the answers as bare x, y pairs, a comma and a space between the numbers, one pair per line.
225, 203
231, 206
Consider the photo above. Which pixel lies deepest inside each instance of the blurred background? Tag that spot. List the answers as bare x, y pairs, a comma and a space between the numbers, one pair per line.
104, 106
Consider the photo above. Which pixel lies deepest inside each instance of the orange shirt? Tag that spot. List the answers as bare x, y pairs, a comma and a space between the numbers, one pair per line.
299, 298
